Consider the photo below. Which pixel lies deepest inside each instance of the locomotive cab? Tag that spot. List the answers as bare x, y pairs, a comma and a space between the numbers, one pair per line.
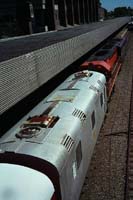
105, 61
23, 183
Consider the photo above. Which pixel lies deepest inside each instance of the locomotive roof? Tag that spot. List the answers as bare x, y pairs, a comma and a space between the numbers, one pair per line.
69, 104
104, 53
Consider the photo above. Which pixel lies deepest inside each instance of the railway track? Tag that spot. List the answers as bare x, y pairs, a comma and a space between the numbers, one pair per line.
129, 172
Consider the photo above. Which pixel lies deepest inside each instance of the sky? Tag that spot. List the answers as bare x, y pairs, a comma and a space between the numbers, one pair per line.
111, 4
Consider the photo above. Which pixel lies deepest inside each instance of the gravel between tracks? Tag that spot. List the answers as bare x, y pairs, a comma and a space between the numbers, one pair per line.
105, 179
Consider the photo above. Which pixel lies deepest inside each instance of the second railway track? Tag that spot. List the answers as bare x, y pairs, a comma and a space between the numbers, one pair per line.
129, 173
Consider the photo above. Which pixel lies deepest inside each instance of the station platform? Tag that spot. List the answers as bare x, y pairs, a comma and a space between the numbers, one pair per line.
17, 46
26, 63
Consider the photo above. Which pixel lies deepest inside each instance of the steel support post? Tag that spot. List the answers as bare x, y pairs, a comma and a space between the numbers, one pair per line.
50, 15
97, 5
62, 12
94, 10
86, 6
76, 11
82, 13
70, 12
90, 10
23, 17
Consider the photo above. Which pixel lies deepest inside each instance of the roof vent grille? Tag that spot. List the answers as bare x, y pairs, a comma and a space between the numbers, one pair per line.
81, 115
95, 89
67, 142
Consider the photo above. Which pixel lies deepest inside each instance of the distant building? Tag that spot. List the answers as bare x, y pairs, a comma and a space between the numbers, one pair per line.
101, 13
19, 17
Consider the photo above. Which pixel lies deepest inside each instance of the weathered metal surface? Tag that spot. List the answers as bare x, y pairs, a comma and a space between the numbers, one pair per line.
65, 144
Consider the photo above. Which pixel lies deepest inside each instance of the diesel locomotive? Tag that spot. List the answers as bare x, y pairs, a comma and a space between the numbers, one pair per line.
45, 156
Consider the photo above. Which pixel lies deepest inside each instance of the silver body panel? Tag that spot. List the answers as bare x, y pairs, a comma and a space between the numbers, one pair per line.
69, 144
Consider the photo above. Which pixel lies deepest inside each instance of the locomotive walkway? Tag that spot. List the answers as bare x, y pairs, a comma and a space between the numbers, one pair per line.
107, 176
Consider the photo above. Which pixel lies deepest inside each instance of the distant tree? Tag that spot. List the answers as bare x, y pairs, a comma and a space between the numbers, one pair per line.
105, 13
122, 11
110, 14
130, 11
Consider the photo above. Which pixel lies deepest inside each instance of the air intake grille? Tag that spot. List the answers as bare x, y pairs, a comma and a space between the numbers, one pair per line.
94, 89
79, 114
67, 142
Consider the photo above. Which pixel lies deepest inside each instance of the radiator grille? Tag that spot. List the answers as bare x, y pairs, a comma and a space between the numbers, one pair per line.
79, 114
67, 142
